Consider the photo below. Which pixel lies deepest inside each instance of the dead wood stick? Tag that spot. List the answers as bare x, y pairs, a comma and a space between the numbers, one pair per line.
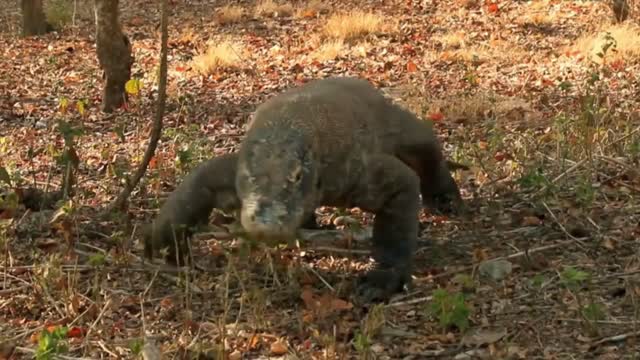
615, 338
512, 256
156, 130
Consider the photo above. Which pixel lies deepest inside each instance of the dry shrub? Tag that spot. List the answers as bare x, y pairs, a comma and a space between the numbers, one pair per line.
451, 40
229, 14
271, 8
224, 55
627, 37
354, 24
312, 9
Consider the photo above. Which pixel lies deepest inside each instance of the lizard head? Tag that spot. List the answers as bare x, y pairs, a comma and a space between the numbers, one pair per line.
445, 194
275, 182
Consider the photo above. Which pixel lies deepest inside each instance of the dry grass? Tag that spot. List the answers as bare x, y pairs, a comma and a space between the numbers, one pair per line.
328, 50
627, 37
224, 55
537, 19
354, 25
457, 49
229, 14
538, 13
271, 8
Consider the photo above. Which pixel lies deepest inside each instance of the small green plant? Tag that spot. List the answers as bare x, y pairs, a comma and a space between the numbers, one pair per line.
634, 148
51, 343
370, 328
537, 281
464, 280
361, 342
184, 158
68, 159
450, 309
534, 179
136, 346
585, 192
97, 260
593, 312
573, 278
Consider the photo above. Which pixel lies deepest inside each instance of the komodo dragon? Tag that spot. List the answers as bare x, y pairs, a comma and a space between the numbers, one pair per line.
331, 142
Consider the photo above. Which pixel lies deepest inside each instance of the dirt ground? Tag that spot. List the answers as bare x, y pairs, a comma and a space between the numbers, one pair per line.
544, 266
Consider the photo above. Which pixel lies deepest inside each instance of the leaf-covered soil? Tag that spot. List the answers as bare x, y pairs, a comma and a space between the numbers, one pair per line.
549, 130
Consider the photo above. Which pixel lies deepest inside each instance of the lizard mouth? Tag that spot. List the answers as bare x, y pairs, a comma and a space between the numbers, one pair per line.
267, 220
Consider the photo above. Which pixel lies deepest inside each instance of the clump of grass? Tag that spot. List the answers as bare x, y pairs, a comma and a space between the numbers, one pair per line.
354, 24
229, 14
271, 8
224, 55
627, 41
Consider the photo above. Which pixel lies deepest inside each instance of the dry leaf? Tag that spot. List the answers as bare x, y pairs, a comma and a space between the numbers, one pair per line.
480, 255
437, 116
531, 221
278, 348
608, 243
412, 67
478, 337
339, 304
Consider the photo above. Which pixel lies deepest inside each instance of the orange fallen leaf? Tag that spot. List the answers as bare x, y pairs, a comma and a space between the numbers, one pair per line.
493, 8
307, 297
437, 116
309, 13
76, 332
153, 163
166, 302
412, 67
181, 68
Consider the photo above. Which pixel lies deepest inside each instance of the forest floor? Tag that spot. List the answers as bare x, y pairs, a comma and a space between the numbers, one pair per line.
546, 265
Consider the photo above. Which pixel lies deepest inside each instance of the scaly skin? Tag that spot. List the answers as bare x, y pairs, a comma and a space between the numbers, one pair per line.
339, 142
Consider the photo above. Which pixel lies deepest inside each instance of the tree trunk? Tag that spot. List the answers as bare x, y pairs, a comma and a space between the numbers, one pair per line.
114, 54
34, 21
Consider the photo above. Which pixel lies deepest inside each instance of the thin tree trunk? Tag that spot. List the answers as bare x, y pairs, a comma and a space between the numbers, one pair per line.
156, 131
34, 21
114, 54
